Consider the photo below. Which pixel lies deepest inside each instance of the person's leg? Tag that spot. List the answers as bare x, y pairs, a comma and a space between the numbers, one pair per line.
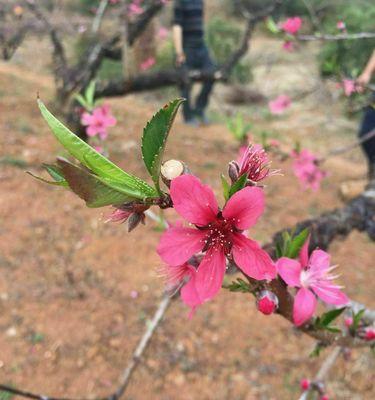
368, 125
204, 96
186, 87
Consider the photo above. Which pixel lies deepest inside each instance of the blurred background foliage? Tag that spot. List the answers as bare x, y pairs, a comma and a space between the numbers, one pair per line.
224, 30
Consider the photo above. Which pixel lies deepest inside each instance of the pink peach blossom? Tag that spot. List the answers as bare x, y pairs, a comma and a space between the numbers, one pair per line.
147, 64
98, 121
135, 8
288, 45
162, 33
218, 234
292, 25
349, 87
312, 278
253, 161
341, 25
306, 169
280, 104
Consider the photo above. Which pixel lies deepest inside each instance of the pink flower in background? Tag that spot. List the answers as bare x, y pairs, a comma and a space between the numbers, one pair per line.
348, 322
99, 149
135, 8
349, 86
306, 169
341, 25
312, 278
274, 143
98, 121
370, 333
147, 64
292, 25
305, 384
219, 234
280, 104
162, 33
288, 46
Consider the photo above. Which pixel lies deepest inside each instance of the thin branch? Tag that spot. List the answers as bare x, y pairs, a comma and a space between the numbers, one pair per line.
317, 383
344, 149
99, 16
60, 63
137, 355
341, 36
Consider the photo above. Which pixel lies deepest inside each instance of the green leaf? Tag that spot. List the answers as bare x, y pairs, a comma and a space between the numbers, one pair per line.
357, 319
327, 318
90, 93
226, 187
317, 350
63, 183
96, 191
238, 185
238, 286
93, 160
54, 172
154, 139
271, 25
81, 100
297, 243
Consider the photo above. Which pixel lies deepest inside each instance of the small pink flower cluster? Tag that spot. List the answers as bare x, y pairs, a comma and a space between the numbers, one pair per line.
349, 86
341, 26
220, 234
135, 8
291, 26
98, 121
148, 63
306, 169
280, 104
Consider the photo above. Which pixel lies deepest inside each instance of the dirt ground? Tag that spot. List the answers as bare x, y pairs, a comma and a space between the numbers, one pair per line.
69, 319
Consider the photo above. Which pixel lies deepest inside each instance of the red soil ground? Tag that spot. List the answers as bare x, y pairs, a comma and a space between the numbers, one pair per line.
68, 323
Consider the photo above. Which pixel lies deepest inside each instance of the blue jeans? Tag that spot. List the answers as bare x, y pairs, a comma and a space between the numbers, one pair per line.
197, 58
368, 124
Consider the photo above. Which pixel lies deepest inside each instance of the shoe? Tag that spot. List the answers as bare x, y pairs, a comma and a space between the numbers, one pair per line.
204, 119
192, 122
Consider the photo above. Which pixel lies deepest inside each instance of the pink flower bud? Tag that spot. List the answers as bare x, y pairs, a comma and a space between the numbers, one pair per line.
267, 302
324, 397
348, 321
233, 171
370, 334
304, 384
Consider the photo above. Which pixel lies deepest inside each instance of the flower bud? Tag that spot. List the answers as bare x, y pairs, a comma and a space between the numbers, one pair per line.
370, 334
304, 384
233, 171
267, 302
172, 169
324, 397
348, 321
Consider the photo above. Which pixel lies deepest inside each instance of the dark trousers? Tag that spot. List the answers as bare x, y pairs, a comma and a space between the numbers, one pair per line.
368, 124
197, 58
